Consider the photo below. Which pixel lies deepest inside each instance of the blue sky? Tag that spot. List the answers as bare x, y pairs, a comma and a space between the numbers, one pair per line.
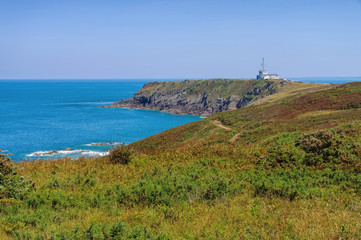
178, 38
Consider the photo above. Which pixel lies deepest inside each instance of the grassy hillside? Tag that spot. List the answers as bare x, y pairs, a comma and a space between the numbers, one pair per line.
298, 112
287, 168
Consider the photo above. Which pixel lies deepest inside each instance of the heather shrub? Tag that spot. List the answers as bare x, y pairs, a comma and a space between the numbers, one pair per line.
333, 148
120, 155
329, 148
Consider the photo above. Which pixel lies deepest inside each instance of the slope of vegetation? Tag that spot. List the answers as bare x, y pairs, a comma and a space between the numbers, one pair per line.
285, 169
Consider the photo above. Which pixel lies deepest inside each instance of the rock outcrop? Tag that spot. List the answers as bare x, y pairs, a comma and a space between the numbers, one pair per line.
200, 97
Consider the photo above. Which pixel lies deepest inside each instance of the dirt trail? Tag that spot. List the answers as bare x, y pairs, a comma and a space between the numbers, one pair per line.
234, 138
219, 124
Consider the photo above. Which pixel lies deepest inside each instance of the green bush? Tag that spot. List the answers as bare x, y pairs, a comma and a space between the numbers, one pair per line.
301, 183
331, 148
169, 188
282, 152
12, 185
327, 147
120, 155
119, 230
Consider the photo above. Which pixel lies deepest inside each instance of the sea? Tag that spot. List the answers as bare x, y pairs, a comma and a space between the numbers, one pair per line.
42, 119
39, 117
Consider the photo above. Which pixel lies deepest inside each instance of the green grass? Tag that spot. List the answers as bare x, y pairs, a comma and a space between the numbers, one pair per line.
290, 174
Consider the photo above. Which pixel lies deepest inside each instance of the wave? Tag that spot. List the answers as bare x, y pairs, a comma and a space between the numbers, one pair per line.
74, 154
95, 153
37, 154
53, 152
103, 144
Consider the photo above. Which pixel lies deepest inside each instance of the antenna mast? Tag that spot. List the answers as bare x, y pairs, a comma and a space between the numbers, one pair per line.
263, 64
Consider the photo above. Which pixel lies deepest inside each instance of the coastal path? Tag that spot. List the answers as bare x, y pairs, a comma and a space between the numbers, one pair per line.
220, 125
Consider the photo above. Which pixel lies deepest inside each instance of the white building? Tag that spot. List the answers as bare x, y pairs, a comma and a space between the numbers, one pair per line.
263, 74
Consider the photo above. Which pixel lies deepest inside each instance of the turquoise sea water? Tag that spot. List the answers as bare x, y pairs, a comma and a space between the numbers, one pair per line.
330, 80
40, 116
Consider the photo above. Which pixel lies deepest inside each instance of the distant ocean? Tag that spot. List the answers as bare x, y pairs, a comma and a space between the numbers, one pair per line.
330, 80
39, 116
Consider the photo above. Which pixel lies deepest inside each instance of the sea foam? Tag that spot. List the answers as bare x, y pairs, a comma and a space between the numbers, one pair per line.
74, 154
103, 144
95, 153
53, 152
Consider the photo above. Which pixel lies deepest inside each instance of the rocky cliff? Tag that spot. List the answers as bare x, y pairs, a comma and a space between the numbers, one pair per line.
200, 97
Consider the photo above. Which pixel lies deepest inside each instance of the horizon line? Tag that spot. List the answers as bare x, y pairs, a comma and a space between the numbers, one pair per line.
164, 78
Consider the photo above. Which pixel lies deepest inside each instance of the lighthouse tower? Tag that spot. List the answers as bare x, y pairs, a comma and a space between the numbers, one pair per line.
263, 74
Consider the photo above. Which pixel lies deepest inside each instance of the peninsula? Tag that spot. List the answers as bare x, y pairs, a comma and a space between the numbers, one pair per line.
207, 97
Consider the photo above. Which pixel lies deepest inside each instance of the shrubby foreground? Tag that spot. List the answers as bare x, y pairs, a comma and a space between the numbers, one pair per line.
289, 169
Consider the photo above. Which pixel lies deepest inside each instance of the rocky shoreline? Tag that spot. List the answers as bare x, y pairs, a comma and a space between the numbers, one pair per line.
200, 97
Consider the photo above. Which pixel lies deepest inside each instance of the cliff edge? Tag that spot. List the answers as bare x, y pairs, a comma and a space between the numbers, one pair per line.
201, 97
